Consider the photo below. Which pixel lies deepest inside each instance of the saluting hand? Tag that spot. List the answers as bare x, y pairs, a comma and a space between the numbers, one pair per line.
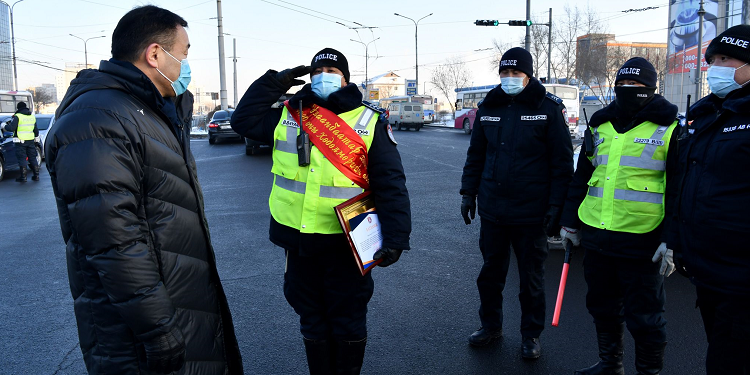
288, 77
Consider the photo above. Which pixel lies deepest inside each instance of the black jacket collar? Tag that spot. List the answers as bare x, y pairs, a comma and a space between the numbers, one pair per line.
532, 95
737, 101
659, 111
121, 75
342, 100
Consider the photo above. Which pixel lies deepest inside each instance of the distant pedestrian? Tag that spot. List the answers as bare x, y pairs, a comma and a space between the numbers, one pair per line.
519, 164
616, 211
711, 223
25, 138
142, 271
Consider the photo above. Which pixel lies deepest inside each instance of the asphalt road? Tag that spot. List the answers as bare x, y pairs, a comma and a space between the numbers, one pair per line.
424, 306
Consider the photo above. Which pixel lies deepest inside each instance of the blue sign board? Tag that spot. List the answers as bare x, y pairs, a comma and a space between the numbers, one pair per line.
411, 87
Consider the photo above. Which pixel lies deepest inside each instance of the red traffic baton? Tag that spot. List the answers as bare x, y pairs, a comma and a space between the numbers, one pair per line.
563, 281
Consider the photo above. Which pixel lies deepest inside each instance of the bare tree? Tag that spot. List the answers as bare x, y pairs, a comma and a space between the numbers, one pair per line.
449, 76
41, 98
539, 47
574, 23
387, 91
500, 48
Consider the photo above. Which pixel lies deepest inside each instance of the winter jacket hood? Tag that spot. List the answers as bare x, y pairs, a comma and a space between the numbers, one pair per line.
659, 111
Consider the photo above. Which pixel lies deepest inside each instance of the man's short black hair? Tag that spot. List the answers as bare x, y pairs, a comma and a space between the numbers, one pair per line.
142, 26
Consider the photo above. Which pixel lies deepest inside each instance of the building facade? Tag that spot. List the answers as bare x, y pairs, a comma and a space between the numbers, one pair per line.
6, 52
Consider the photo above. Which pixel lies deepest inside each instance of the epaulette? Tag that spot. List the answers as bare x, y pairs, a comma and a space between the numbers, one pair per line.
373, 107
553, 98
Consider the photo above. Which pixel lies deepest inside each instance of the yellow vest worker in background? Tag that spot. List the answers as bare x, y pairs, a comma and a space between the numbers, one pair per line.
25, 136
615, 210
322, 282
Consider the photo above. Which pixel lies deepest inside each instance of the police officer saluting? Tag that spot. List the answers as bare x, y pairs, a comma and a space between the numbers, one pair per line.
25, 132
322, 282
519, 164
616, 210
712, 219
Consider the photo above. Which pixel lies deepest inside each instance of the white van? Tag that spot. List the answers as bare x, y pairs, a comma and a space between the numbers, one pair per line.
406, 115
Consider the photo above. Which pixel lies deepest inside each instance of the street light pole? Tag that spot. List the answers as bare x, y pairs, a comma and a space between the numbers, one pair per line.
85, 48
13, 45
416, 47
367, 56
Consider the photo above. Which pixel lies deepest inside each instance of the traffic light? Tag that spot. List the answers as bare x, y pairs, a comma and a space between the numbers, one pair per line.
486, 22
519, 23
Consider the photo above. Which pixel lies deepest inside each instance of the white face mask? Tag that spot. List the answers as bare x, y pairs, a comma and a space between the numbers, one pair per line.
512, 85
721, 80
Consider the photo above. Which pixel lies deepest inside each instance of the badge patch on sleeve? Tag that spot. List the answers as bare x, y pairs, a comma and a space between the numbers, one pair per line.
390, 134
565, 114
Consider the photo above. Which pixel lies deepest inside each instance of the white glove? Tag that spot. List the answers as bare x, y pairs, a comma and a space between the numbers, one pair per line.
570, 234
37, 140
667, 259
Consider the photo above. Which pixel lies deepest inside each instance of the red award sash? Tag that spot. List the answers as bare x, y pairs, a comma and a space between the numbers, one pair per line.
338, 142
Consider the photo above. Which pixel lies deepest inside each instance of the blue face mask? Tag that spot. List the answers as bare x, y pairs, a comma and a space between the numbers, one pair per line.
721, 80
180, 85
324, 84
512, 85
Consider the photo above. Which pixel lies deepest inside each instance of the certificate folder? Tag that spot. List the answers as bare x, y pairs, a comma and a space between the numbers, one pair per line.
359, 220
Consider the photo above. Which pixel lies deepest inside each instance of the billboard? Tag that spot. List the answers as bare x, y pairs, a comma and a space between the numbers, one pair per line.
374, 94
682, 46
411, 87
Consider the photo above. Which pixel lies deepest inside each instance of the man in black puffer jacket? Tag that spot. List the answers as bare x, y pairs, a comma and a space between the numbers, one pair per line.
519, 164
147, 295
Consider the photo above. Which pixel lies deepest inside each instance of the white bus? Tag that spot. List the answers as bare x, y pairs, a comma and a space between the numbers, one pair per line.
467, 99
9, 100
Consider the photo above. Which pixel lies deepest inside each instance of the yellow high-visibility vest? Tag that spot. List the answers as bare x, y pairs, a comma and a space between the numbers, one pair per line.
25, 131
304, 197
626, 190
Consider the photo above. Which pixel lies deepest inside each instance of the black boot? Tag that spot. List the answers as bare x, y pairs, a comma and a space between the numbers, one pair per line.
349, 356
610, 352
318, 356
649, 357
35, 170
22, 177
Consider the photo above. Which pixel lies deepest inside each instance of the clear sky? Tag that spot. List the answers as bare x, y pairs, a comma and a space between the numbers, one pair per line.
276, 34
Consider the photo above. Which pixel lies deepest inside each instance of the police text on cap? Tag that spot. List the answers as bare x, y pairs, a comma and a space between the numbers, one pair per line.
734, 41
326, 56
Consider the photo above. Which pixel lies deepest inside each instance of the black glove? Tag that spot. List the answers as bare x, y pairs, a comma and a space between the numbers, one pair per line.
468, 206
388, 255
551, 222
287, 77
165, 353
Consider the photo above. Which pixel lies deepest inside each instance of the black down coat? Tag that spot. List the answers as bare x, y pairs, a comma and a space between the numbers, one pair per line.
520, 159
140, 261
711, 219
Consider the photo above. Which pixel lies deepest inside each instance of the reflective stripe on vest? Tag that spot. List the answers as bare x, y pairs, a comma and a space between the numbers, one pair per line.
626, 190
303, 197
25, 131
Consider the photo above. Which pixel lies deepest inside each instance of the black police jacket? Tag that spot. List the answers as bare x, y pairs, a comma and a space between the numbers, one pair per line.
520, 158
140, 260
712, 217
255, 119
622, 244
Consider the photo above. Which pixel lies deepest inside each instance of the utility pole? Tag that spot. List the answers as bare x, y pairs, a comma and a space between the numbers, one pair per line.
234, 59
367, 57
699, 67
527, 41
549, 49
85, 49
416, 50
222, 57
13, 45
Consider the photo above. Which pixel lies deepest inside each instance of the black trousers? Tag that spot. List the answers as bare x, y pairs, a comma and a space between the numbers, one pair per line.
626, 290
329, 294
726, 319
26, 149
530, 246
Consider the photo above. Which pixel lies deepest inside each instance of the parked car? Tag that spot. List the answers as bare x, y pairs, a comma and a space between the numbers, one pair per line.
8, 159
220, 126
406, 115
44, 124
